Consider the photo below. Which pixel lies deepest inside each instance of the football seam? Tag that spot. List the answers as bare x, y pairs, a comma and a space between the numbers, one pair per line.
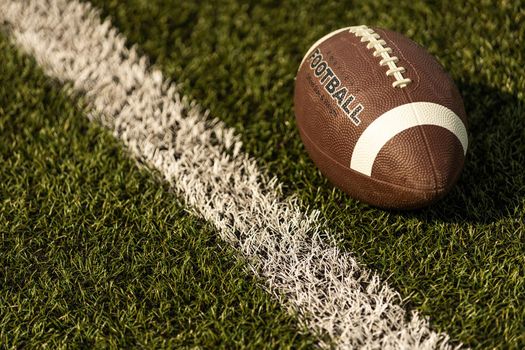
434, 189
414, 85
427, 145
382, 50
411, 100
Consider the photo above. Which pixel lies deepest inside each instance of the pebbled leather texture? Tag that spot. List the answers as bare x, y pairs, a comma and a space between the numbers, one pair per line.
414, 168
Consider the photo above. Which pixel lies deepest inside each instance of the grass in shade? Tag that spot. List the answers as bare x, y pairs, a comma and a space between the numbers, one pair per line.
96, 252
461, 262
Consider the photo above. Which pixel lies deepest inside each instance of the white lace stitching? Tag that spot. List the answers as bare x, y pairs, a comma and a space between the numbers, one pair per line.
380, 50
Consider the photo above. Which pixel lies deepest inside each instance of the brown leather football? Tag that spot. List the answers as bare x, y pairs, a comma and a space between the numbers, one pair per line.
380, 117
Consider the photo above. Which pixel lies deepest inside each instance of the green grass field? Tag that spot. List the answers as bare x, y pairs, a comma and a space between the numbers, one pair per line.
97, 251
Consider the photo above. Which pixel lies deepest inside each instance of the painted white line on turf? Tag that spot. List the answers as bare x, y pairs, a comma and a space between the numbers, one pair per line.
345, 304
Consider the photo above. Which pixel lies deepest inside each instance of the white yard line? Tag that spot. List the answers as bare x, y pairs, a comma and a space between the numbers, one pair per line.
340, 301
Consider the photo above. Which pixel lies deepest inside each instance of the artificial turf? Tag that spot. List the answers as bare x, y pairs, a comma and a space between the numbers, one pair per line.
96, 252
462, 261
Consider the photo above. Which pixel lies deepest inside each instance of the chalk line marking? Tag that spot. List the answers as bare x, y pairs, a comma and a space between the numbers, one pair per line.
283, 244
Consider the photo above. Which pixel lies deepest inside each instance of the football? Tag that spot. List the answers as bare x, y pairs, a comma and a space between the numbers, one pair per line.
380, 117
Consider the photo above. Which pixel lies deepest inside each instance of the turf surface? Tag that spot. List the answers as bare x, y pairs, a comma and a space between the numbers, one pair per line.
96, 252
75, 212
462, 261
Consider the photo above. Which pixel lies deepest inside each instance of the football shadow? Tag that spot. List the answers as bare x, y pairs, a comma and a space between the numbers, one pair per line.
492, 185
